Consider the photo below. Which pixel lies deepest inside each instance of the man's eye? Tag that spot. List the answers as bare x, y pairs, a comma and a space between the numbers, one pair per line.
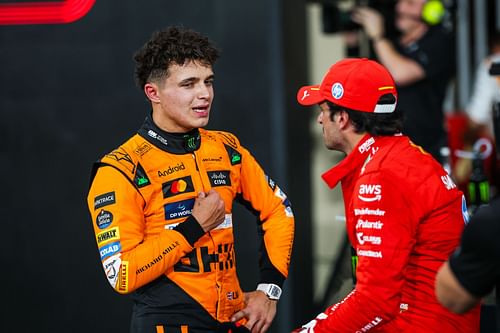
209, 82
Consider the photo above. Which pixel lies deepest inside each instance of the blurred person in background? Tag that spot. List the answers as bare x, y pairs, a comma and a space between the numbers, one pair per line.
404, 214
421, 59
161, 204
486, 89
473, 270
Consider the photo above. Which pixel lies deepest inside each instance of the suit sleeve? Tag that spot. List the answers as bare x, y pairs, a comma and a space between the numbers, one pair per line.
383, 238
131, 259
275, 218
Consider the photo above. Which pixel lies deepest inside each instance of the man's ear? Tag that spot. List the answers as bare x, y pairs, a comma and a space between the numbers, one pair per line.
343, 119
151, 91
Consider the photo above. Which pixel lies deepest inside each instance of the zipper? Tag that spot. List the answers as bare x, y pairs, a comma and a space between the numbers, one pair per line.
202, 173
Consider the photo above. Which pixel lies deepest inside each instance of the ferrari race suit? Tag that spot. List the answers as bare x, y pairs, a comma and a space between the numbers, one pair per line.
404, 217
141, 198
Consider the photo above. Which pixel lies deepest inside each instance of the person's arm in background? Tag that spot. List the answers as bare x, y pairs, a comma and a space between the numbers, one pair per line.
404, 70
451, 294
483, 93
472, 270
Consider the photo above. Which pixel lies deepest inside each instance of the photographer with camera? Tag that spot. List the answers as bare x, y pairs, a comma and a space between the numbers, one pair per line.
421, 61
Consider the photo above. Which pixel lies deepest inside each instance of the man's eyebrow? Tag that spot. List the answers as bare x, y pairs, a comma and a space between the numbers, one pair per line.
189, 80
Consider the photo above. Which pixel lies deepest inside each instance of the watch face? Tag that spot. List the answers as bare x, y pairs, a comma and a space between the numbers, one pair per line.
274, 292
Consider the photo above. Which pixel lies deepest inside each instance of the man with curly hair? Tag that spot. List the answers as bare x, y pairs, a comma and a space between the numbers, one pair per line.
161, 204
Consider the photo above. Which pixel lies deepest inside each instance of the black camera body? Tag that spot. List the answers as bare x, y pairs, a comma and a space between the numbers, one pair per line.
336, 14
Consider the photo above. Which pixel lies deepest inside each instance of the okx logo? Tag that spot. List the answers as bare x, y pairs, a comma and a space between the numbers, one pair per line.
43, 12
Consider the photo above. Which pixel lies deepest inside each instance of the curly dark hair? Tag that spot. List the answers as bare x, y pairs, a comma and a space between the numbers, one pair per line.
373, 123
173, 45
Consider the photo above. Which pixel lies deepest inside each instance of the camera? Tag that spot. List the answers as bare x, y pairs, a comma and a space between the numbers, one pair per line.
336, 14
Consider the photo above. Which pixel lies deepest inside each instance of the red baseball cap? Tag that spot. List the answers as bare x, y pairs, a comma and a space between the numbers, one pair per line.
356, 84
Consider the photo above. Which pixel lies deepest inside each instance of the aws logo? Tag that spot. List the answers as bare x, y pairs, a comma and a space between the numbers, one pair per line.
177, 186
43, 12
369, 192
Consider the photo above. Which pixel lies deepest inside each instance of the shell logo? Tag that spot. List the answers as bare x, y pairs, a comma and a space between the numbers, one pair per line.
44, 12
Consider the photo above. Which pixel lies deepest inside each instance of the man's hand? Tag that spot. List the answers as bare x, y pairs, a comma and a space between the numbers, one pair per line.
371, 21
209, 210
259, 311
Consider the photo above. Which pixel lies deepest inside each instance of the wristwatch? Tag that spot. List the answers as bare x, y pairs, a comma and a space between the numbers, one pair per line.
271, 290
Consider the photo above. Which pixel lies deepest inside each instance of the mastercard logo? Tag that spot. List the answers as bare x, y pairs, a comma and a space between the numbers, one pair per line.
177, 186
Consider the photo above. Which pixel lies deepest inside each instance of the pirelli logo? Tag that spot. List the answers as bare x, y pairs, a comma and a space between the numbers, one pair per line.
108, 235
123, 283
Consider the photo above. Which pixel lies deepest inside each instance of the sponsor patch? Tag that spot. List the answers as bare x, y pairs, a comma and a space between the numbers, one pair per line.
368, 253
362, 239
104, 200
232, 295
367, 211
370, 192
448, 182
280, 194
171, 226
123, 282
177, 186
219, 178
110, 249
361, 224
141, 178
142, 149
272, 183
465, 211
179, 209
228, 222
111, 269
171, 169
234, 155
212, 159
365, 146
158, 137
104, 219
108, 235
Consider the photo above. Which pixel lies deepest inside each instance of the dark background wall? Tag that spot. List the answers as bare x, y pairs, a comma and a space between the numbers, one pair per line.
67, 96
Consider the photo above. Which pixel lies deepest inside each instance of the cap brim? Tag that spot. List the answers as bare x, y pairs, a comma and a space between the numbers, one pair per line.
309, 95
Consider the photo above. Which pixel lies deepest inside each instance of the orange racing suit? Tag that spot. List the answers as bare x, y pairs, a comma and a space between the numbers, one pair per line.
140, 199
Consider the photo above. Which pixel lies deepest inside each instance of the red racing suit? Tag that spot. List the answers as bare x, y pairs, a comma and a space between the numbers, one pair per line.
404, 218
140, 199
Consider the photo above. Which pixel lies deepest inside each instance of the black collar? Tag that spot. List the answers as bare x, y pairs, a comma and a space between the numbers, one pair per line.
175, 143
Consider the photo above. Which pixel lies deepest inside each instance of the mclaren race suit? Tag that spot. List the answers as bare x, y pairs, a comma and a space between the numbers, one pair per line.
404, 218
141, 198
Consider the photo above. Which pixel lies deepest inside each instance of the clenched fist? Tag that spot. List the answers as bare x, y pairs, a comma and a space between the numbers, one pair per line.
209, 210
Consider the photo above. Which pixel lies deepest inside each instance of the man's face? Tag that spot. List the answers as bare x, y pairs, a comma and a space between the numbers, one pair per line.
331, 133
185, 97
409, 14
